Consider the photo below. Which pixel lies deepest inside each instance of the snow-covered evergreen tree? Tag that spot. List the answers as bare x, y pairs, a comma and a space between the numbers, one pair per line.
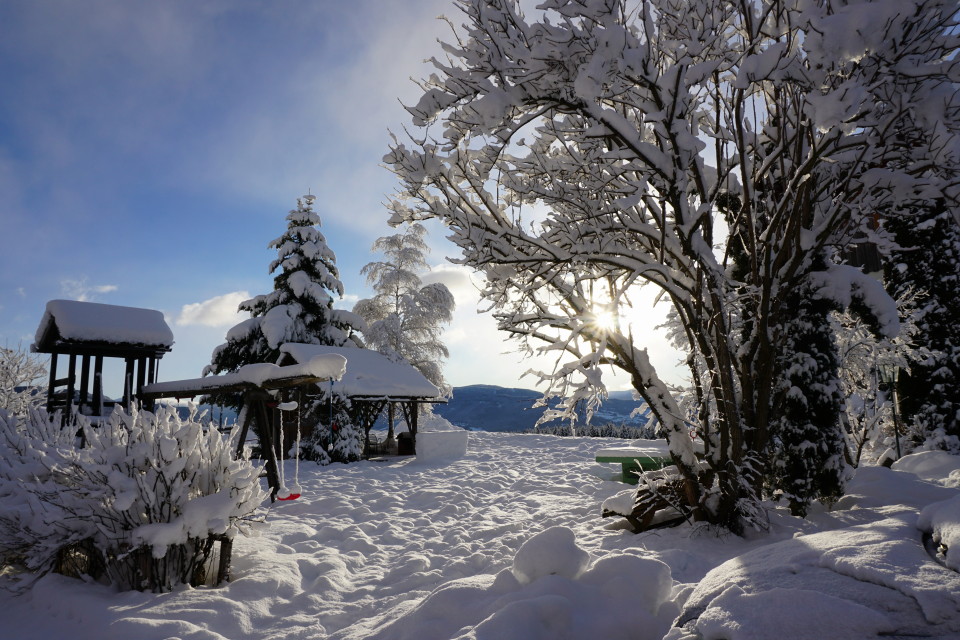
404, 318
347, 442
807, 433
300, 307
927, 258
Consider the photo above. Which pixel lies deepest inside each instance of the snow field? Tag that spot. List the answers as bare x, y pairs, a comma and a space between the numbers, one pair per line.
506, 543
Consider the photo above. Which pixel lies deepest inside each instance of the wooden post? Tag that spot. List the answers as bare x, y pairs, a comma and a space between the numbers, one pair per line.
267, 447
52, 383
414, 411
71, 385
84, 382
141, 374
128, 383
98, 386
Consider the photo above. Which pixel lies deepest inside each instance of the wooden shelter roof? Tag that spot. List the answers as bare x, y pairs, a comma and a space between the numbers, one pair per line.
369, 374
92, 328
250, 377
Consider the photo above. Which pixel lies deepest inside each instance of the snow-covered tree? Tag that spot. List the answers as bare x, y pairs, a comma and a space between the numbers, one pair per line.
300, 307
926, 258
346, 438
808, 437
404, 317
601, 144
868, 415
21, 381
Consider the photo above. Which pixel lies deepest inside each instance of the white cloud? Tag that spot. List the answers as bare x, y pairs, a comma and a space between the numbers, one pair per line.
460, 280
219, 311
347, 301
83, 292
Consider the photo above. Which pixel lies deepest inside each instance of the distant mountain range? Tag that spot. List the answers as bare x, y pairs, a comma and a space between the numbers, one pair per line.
483, 407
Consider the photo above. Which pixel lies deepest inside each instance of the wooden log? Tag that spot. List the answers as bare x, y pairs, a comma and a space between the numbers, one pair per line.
223, 566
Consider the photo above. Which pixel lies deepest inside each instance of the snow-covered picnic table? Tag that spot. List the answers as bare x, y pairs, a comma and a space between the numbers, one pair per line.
642, 455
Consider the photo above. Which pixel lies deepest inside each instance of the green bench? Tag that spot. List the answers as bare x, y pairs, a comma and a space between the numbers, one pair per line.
636, 459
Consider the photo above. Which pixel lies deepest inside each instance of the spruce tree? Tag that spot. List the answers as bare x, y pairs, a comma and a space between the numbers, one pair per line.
300, 307
404, 317
808, 437
927, 260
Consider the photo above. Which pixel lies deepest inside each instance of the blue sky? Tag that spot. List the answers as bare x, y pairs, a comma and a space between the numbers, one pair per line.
149, 151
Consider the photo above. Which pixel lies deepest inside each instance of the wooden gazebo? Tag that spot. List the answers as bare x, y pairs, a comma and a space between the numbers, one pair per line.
372, 382
88, 332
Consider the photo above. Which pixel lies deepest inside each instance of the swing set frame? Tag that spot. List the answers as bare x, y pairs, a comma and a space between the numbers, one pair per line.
260, 406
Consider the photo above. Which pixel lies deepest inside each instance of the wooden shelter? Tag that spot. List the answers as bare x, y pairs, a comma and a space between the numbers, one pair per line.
372, 382
85, 333
258, 384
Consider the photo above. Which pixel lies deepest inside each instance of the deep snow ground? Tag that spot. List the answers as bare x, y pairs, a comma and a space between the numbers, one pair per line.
408, 549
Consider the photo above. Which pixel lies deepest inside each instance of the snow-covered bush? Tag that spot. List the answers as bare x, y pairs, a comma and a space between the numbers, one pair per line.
139, 506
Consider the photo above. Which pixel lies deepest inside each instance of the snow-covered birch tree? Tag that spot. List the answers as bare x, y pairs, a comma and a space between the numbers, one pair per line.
21, 381
606, 145
405, 317
300, 307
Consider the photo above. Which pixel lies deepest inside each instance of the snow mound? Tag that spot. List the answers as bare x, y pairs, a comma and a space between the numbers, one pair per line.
933, 466
878, 487
861, 581
620, 597
942, 521
550, 552
436, 422
441, 445
770, 612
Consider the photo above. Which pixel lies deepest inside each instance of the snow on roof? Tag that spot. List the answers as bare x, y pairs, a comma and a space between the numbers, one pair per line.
327, 366
368, 373
94, 322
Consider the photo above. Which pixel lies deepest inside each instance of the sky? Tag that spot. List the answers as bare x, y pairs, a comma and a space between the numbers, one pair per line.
149, 152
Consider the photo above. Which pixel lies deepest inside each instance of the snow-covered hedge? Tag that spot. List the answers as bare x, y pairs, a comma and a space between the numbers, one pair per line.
138, 505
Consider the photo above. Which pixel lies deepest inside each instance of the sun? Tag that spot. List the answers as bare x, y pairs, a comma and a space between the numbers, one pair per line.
604, 319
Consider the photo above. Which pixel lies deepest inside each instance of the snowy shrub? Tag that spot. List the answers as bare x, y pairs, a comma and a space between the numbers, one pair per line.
139, 506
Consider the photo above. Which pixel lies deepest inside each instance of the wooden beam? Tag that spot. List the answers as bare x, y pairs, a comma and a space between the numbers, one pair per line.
199, 388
